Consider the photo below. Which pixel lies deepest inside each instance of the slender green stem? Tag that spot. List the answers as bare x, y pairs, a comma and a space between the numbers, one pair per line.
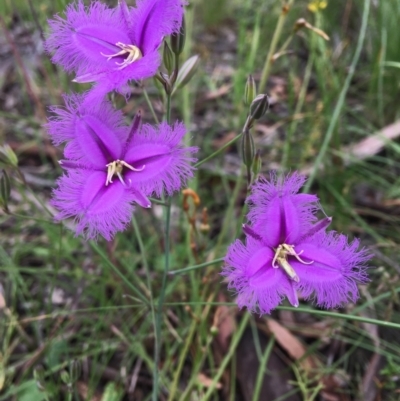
341, 316
168, 111
235, 341
299, 105
158, 201
274, 42
195, 267
96, 247
21, 216
262, 369
148, 101
159, 312
219, 151
342, 98
146, 267
182, 359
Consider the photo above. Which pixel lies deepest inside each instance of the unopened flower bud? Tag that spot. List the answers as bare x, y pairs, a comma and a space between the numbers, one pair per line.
214, 330
247, 149
75, 370
250, 90
257, 164
178, 39
168, 58
8, 157
187, 71
259, 106
5, 190
65, 377
38, 374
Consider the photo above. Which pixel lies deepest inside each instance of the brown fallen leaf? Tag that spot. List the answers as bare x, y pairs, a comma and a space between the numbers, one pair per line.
205, 381
295, 348
215, 94
292, 345
365, 148
83, 391
224, 322
373, 144
2, 301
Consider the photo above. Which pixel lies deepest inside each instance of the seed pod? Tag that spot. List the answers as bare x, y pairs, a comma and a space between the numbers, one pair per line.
250, 90
259, 106
178, 39
168, 58
187, 71
8, 157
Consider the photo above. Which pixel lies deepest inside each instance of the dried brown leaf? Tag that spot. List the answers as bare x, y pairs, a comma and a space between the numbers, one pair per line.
373, 144
292, 345
224, 322
205, 381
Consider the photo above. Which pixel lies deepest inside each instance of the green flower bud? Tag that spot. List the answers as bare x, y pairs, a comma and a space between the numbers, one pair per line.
187, 71
75, 370
38, 375
7, 156
250, 90
168, 58
65, 377
259, 106
5, 190
178, 39
248, 151
257, 164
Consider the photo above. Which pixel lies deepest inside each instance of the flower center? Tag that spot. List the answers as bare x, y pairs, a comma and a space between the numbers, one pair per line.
116, 168
131, 52
280, 258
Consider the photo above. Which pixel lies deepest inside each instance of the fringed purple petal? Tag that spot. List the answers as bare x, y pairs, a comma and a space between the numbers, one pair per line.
259, 286
114, 79
277, 212
79, 41
337, 267
97, 209
124, 15
86, 37
94, 132
167, 163
154, 19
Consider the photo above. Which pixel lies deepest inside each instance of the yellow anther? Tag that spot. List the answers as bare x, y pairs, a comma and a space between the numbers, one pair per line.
133, 54
280, 257
116, 167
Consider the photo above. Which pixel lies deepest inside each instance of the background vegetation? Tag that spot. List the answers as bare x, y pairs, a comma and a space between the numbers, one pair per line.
73, 323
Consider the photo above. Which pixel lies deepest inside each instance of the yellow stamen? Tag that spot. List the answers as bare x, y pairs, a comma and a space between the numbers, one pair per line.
132, 51
116, 167
280, 257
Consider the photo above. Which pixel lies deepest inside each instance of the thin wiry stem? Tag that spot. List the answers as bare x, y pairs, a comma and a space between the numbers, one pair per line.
219, 151
159, 311
146, 267
342, 97
148, 101
274, 42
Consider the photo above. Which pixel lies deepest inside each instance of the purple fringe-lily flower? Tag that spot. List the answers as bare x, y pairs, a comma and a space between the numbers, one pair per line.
109, 166
112, 46
288, 252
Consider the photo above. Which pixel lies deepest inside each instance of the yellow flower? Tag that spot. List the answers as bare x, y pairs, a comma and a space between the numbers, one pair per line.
317, 5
